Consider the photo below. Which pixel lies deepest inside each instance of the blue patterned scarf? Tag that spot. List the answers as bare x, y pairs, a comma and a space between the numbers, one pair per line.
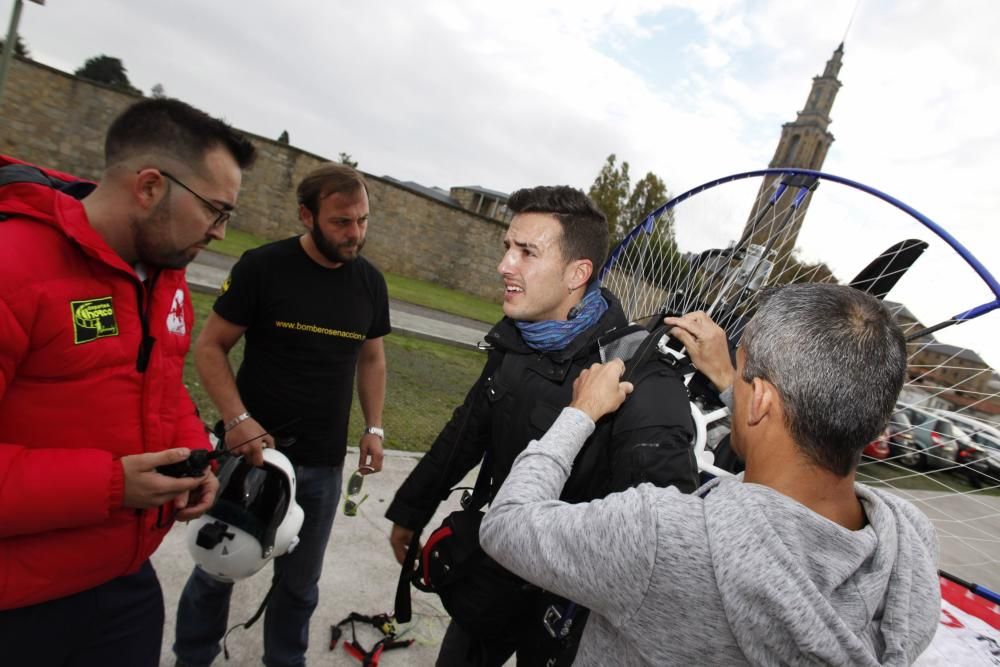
552, 335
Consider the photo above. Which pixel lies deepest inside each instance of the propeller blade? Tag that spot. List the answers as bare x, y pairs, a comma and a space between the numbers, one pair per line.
882, 274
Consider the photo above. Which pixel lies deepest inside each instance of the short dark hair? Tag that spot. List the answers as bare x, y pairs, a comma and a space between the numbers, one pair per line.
838, 360
584, 226
327, 179
175, 128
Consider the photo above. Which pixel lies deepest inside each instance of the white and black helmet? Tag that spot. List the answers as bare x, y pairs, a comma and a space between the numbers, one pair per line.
254, 519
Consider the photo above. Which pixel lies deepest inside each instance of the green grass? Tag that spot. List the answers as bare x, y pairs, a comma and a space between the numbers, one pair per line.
440, 298
426, 382
202, 307
236, 243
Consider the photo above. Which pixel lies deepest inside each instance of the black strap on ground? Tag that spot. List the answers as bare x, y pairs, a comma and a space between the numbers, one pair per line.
384, 623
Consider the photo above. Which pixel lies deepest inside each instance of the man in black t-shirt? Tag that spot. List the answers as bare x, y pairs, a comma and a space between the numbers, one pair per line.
312, 311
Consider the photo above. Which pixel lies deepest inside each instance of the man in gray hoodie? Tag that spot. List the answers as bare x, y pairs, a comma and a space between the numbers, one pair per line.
790, 563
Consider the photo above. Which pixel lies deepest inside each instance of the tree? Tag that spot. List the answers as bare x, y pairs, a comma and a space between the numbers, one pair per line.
624, 206
283, 137
107, 70
648, 193
610, 192
158, 92
345, 158
19, 48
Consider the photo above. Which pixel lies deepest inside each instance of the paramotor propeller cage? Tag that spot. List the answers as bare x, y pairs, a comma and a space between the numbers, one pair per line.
703, 422
653, 275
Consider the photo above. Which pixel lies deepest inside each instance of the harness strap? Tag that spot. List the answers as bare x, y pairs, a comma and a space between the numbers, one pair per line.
26, 173
403, 609
384, 623
253, 619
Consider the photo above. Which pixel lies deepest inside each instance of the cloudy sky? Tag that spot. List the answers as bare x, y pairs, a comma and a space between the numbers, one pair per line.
519, 93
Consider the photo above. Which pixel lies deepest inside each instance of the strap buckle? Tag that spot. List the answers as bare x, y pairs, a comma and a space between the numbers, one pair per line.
554, 622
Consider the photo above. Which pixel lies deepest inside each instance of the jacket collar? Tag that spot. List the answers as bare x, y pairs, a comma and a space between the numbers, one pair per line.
61, 211
504, 335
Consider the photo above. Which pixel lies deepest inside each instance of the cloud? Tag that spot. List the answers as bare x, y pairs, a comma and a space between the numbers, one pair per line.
455, 93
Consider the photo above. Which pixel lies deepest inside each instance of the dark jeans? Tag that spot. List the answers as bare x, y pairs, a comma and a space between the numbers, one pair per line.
203, 610
117, 623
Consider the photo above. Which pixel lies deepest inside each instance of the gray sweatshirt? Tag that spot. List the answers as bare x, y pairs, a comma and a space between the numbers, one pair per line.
736, 573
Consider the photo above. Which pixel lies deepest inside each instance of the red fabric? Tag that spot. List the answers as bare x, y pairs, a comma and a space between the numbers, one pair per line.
436, 536
69, 410
970, 603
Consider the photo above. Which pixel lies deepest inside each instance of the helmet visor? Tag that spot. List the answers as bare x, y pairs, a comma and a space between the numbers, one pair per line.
252, 499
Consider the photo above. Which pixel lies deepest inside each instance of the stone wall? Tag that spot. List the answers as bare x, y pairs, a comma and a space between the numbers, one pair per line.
54, 119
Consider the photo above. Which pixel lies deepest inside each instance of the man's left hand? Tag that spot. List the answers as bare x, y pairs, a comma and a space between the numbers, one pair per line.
371, 454
192, 504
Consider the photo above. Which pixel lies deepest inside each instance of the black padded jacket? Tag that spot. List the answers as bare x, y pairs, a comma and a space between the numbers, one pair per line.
518, 397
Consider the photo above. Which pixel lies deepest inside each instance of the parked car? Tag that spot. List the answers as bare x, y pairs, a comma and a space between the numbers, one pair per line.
992, 448
974, 462
900, 435
935, 443
983, 458
987, 464
878, 448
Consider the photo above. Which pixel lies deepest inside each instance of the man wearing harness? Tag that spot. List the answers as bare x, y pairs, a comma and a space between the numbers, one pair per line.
790, 563
555, 316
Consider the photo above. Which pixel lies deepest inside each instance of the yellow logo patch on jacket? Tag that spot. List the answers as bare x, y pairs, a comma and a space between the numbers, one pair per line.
93, 319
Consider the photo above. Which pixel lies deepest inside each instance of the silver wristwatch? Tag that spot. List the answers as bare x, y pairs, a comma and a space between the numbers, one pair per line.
375, 430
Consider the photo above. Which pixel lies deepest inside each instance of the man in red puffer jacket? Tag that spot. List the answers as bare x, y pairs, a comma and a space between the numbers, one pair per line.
95, 321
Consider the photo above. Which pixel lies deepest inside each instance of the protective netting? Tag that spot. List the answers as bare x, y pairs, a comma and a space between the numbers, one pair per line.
716, 247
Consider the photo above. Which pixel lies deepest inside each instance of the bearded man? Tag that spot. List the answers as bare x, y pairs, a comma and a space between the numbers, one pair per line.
312, 310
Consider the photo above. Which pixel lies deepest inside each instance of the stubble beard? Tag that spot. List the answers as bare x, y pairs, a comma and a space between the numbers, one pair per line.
151, 251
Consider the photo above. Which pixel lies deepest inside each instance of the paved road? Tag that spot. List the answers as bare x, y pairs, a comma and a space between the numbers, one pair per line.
969, 532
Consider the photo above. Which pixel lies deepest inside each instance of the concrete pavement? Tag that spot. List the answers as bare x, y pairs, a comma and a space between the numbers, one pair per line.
359, 574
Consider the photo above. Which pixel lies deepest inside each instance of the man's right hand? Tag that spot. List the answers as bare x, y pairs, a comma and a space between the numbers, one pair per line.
707, 346
144, 487
253, 451
400, 539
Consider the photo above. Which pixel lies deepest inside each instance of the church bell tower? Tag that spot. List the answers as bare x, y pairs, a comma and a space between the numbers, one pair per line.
804, 144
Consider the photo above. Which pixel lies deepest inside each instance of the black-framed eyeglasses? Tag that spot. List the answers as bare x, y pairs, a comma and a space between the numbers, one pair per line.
354, 484
221, 217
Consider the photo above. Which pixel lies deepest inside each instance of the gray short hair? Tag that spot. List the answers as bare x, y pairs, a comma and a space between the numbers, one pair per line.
838, 361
